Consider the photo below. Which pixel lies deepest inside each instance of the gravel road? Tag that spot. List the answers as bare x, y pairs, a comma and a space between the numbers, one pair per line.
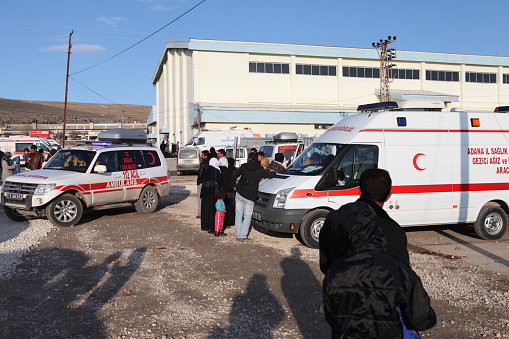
120, 274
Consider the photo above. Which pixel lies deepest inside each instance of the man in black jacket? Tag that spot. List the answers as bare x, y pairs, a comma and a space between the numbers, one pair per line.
250, 175
375, 189
204, 163
368, 291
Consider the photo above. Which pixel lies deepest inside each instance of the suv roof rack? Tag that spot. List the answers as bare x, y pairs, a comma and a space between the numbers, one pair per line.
123, 135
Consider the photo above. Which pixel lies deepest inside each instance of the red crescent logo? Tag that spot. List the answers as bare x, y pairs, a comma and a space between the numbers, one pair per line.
415, 161
154, 158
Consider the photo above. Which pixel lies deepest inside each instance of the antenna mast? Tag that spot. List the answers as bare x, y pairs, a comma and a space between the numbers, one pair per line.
387, 68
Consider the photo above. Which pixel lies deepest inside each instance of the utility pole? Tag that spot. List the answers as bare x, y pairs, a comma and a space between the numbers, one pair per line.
66, 87
387, 71
122, 121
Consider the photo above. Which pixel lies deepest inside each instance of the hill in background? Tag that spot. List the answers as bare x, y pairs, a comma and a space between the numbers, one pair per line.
24, 111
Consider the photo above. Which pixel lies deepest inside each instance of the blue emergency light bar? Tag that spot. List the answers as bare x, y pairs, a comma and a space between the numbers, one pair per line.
100, 143
377, 106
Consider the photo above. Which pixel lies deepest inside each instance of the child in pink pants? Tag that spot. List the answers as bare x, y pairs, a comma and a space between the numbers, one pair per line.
220, 213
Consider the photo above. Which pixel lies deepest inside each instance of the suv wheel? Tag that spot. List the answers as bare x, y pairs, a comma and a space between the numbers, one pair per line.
66, 210
147, 203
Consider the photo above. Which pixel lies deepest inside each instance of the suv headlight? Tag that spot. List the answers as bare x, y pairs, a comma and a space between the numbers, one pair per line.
281, 196
43, 189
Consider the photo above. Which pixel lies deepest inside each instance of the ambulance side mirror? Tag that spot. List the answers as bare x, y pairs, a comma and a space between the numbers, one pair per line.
332, 176
100, 168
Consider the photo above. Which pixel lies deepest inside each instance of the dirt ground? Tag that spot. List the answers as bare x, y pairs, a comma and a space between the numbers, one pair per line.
121, 274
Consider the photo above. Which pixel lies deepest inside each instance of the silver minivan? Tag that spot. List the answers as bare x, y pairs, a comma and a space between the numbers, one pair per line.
188, 159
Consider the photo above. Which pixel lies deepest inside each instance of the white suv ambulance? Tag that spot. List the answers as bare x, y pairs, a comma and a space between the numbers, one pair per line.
446, 167
111, 171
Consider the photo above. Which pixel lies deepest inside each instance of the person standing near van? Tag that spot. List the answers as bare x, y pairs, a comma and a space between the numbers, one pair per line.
36, 158
277, 164
26, 156
220, 214
204, 163
211, 184
7, 165
250, 175
226, 172
369, 293
375, 189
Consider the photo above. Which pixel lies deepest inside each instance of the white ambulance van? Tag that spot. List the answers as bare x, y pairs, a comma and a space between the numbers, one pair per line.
287, 143
17, 144
120, 168
206, 139
446, 167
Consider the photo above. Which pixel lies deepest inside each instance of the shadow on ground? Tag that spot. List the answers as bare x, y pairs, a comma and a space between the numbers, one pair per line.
56, 293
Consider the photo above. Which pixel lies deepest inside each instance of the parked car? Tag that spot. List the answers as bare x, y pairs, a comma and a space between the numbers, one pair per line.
120, 168
188, 159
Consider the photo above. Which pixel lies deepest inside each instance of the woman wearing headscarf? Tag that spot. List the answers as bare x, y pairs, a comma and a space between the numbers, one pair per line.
226, 171
211, 184
7, 166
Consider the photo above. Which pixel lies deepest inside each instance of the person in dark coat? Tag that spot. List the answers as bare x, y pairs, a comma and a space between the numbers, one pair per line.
211, 184
230, 192
250, 175
368, 291
204, 163
375, 189
162, 147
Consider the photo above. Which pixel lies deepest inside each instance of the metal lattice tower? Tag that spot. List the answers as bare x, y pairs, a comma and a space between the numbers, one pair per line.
387, 68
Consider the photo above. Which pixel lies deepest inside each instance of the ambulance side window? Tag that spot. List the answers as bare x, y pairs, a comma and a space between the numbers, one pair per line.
356, 160
21, 146
366, 156
127, 160
199, 141
151, 159
345, 168
108, 159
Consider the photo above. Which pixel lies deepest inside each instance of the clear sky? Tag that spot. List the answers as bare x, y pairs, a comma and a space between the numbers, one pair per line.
34, 35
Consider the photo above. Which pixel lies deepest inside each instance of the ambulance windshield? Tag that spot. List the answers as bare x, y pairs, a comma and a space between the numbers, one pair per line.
315, 159
70, 160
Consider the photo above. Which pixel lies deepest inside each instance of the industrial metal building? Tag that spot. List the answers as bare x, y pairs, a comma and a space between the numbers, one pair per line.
210, 84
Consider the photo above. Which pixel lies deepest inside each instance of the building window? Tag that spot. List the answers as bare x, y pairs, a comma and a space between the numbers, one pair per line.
405, 73
269, 67
442, 75
361, 72
506, 78
489, 78
322, 126
315, 70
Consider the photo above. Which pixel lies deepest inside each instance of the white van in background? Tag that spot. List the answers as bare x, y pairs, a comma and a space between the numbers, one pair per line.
287, 143
188, 159
206, 139
17, 144
446, 168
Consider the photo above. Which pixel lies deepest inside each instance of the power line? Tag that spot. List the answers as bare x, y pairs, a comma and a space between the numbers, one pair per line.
139, 42
102, 96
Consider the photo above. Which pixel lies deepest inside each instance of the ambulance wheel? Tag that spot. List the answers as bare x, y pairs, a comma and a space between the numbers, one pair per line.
66, 210
14, 215
310, 227
147, 203
491, 224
